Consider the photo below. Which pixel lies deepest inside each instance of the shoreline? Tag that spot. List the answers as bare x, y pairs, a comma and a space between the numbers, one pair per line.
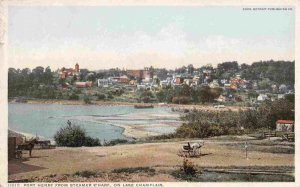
140, 131
134, 132
177, 107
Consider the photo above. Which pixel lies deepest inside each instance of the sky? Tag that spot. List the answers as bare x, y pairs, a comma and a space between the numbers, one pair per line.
133, 37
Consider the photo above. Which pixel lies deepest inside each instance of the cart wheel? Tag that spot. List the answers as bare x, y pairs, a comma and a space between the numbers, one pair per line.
180, 153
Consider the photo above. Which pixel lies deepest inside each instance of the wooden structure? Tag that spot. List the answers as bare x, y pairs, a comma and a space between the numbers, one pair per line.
289, 137
45, 144
11, 147
269, 134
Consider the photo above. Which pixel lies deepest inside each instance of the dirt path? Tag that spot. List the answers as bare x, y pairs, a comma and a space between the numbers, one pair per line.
69, 160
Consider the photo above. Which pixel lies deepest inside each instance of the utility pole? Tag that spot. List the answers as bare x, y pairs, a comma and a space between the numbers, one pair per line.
269, 132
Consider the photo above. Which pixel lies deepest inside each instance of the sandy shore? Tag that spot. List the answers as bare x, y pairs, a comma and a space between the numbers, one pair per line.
140, 131
137, 132
178, 107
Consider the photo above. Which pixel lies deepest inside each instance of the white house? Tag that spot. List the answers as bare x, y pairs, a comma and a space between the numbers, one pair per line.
214, 84
262, 97
103, 82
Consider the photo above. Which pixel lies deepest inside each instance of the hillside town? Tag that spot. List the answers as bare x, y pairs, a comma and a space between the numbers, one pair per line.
234, 87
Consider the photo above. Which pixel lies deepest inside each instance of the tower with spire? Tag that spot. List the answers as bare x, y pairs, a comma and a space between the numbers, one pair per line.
76, 68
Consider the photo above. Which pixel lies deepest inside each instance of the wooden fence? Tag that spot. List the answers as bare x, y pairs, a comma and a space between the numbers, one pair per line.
288, 136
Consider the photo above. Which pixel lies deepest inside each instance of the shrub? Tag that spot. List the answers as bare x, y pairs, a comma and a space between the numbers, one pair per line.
70, 136
90, 142
73, 96
188, 167
87, 100
101, 96
77, 91
74, 136
115, 142
86, 174
162, 137
146, 99
110, 96
134, 170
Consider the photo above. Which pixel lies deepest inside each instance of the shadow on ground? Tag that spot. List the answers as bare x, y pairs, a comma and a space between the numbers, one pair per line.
16, 166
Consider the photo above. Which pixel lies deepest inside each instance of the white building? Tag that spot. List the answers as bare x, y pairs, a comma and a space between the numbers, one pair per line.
262, 97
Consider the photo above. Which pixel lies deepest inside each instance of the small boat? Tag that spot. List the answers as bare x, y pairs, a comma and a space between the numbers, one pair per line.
143, 106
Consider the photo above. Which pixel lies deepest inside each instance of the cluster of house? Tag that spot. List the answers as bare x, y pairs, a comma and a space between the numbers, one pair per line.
145, 79
204, 78
235, 83
131, 77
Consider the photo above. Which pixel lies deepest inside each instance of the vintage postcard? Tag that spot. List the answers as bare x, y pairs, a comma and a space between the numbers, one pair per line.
144, 94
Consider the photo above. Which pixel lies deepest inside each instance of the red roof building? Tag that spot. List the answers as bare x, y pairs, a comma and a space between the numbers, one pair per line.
69, 72
285, 125
84, 84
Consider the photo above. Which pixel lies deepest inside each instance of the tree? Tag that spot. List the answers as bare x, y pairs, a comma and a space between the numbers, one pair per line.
252, 94
206, 94
265, 84
74, 79
39, 70
290, 97
91, 77
83, 74
269, 113
47, 76
190, 69
74, 136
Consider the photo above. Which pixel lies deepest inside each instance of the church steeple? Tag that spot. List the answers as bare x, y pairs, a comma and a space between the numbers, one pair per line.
76, 67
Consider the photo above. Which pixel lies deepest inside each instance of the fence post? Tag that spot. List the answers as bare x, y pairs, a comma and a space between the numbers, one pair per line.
246, 148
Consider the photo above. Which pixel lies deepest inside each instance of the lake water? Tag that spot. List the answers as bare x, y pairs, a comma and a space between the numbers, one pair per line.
98, 121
